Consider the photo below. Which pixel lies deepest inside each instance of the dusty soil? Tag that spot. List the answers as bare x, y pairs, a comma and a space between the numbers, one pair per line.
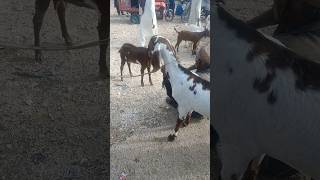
141, 120
53, 116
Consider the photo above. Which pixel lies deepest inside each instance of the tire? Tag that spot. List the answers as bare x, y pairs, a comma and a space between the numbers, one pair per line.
169, 15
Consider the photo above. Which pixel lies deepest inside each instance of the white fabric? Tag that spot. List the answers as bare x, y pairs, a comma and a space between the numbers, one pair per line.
195, 12
206, 4
148, 23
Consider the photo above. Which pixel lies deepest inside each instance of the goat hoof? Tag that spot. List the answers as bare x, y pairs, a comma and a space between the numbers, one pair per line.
142, 84
185, 124
171, 137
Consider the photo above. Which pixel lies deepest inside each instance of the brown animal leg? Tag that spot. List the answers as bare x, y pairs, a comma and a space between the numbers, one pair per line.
61, 11
121, 68
142, 74
150, 81
103, 34
129, 69
187, 120
171, 137
194, 48
177, 44
41, 7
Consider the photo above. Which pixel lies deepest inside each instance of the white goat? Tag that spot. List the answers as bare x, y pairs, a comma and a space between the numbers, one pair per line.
190, 91
266, 101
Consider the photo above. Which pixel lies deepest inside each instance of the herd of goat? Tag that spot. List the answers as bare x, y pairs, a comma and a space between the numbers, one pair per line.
189, 90
265, 101
266, 97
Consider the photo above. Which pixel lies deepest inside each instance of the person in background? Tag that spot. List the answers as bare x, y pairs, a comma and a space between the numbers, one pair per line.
298, 28
172, 4
148, 23
116, 5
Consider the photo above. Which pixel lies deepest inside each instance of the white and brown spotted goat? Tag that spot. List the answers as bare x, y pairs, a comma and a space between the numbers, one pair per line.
190, 91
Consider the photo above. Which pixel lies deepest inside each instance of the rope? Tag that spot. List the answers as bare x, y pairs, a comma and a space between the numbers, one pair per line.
53, 48
114, 77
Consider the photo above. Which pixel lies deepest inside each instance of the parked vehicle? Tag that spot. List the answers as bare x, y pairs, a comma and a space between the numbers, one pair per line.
131, 7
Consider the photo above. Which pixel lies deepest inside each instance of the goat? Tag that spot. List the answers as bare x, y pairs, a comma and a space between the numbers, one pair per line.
102, 6
202, 59
202, 67
266, 100
132, 54
153, 55
190, 91
190, 36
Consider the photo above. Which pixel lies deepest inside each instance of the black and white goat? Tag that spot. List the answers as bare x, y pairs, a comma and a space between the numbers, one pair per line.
190, 91
265, 100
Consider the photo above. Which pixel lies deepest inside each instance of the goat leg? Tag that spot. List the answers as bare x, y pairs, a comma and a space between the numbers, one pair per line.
150, 81
121, 69
41, 7
194, 48
129, 69
103, 34
187, 120
177, 44
142, 74
61, 11
172, 137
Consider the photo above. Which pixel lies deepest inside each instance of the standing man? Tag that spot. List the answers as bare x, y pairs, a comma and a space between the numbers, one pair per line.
116, 5
148, 23
195, 12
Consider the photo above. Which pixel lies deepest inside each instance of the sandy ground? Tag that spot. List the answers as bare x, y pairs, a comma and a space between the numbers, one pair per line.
141, 120
52, 115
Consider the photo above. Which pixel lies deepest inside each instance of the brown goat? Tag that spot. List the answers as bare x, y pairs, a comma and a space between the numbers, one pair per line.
139, 55
202, 59
190, 36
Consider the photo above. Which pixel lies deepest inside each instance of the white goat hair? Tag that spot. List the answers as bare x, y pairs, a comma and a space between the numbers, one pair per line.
188, 100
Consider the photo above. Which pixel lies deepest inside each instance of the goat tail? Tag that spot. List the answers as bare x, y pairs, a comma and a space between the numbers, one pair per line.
175, 29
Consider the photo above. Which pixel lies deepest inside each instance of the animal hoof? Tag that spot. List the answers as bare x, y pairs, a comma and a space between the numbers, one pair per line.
185, 124
151, 84
142, 85
171, 137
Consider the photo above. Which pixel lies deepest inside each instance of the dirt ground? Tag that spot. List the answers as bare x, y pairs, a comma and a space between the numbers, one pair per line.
141, 120
53, 116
